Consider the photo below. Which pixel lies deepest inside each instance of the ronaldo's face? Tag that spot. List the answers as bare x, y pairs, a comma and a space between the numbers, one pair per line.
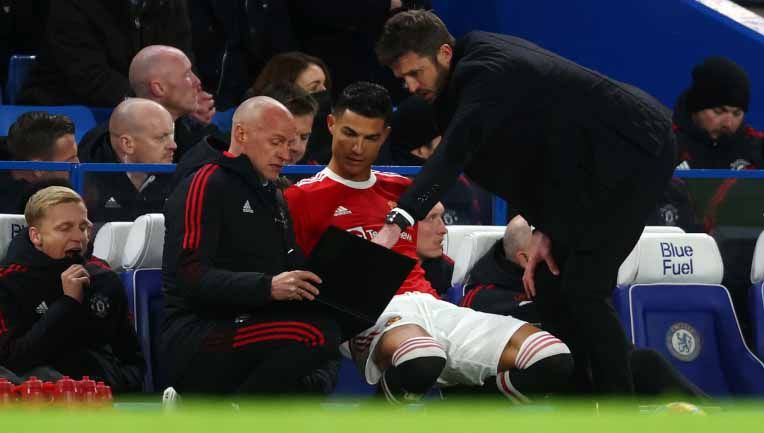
355, 144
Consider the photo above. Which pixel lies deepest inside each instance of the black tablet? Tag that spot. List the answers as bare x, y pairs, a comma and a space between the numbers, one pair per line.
359, 278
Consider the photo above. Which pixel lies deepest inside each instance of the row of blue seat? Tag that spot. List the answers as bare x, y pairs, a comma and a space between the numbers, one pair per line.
708, 345
19, 66
84, 118
723, 366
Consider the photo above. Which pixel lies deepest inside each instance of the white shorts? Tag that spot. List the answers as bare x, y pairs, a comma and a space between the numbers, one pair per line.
474, 341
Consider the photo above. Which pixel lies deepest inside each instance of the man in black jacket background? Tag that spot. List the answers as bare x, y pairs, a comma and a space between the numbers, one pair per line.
58, 310
88, 46
233, 319
709, 119
709, 116
140, 132
164, 74
562, 144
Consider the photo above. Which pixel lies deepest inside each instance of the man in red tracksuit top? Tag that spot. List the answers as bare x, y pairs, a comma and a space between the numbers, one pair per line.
419, 339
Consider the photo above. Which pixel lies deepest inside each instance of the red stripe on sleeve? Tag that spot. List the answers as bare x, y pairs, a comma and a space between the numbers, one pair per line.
194, 206
3, 326
190, 196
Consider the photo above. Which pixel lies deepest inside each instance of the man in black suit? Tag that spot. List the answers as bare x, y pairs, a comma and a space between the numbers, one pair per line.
583, 157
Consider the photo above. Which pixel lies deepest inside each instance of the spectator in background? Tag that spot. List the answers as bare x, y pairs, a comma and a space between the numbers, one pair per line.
308, 72
303, 108
438, 267
89, 44
22, 25
59, 310
343, 33
35, 136
163, 74
233, 39
414, 136
311, 74
709, 116
300, 104
140, 132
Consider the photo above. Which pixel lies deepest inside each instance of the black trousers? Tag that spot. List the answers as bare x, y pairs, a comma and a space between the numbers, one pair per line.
272, 353
612, 203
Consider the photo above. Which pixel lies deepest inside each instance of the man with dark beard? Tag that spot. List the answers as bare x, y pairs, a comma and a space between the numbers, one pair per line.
708, 119
560, 143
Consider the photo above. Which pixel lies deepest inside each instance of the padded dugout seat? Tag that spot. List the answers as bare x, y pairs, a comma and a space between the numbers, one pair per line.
669, 299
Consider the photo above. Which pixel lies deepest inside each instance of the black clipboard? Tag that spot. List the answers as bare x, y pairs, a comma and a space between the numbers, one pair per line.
358, 278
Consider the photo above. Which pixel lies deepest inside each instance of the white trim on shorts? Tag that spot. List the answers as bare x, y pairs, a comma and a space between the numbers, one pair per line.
473, 340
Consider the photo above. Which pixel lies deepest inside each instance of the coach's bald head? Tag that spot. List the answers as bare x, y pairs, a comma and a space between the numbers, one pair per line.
263, 130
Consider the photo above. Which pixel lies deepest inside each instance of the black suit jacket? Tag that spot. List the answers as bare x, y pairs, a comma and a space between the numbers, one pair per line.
538, 130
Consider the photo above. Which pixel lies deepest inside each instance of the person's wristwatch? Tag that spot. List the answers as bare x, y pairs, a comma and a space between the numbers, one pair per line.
399, 217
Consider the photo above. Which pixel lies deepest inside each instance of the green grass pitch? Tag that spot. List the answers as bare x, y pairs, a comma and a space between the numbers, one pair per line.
466, 416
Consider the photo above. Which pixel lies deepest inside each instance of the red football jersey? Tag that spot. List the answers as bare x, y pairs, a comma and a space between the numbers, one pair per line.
327, 199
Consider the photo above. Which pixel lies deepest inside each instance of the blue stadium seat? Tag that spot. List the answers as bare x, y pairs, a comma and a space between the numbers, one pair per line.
81, 116
109, 243
149, 303
224, 119
670, 300
756, 297
19, 67
351, 383
756, 305
625, 272
142, 261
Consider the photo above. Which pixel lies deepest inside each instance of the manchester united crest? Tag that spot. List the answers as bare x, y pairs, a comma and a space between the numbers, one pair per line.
99, 305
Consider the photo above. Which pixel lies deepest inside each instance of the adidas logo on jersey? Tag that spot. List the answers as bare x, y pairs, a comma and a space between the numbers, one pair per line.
341, 210
42, 308
247, 208
112, 203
